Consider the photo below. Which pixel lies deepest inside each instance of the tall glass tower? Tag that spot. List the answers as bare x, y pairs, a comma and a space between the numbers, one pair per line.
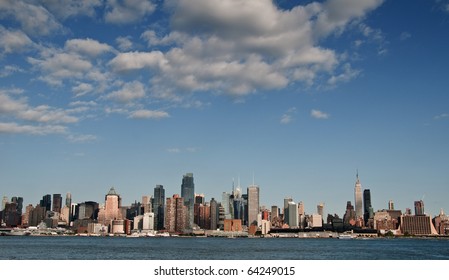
367, 207
159, 206
188, 194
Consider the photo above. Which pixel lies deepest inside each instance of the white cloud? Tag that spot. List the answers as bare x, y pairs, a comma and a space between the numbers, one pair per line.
34, 19
319, 114
83, 103
83, 138
441, 116
69, 8
124, 43
13, 41
87, 46
129, 92
174, 150
127, 11
82, 89
345, 76
136, 60
9, 70
14, 128
288, 117
148, 114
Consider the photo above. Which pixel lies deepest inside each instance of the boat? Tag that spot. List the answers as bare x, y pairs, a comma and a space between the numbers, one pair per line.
345, 236
17, 232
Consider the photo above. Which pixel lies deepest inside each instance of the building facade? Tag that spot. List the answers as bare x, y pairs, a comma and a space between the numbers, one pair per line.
253, 204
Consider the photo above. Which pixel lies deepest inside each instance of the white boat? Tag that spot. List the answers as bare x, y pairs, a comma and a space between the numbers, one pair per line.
17, 232
345, 236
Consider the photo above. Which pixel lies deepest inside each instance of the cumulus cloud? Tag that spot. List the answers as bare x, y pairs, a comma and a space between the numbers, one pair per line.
127, 11
317, 114
124, 43
33, 18
13, 41
148, 114
15, 128
136, 60
129, 92
87, 46
83, 138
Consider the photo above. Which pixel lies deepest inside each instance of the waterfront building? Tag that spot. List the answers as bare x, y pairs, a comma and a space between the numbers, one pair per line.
11, 216
419, 208
441, 223
26, 216
358, 198
253, 204
265, 227
188, 193
36, 216
175, 218
4, 201
226, 203
213, 214
233, 225
315, 221
159, 206
417, 225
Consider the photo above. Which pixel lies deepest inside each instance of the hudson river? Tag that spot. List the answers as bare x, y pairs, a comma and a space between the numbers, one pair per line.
117, 248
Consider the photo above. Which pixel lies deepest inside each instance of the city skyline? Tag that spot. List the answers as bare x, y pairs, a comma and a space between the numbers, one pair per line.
133, 94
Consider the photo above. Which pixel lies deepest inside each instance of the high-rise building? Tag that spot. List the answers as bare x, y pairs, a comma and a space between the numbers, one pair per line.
188, 194
213, 214
390, 205
358, 199
111, 210
253, 204
4, 201
159, 206
46, 202
146, 204
320, 209
175, 218
68, 203
57, 203
367, 207
286, 201
419, 208
293, 216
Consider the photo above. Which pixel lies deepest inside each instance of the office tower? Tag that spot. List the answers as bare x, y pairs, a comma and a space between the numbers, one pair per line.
213, 214
175, 218
68, 199
358, 199
57, 203
146, 204
111, 210
293, 216
274, 213
19, 203
159, 206
200, 199
26, 216
226, 203
286, 201
46, 202
320, 209
188, 193
367, 207
349, 217
253, 204
419, 208
390, 205
301, 210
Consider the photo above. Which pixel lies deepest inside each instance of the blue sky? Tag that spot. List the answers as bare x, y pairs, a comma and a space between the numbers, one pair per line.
131, 94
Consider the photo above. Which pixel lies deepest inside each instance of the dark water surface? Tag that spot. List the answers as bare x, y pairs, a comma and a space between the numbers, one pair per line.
120, 248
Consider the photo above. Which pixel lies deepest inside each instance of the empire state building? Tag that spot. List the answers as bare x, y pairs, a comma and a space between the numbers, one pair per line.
358, 198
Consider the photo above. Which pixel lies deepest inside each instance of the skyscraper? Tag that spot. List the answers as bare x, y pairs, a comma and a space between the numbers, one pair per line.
293, 216
159, 206
358, 198
175, 217
188, 194
320, 209
419, 208
213, 214
390, 205
111, 210
367, 207
57, 202
253, 204
46, 202
286, 213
